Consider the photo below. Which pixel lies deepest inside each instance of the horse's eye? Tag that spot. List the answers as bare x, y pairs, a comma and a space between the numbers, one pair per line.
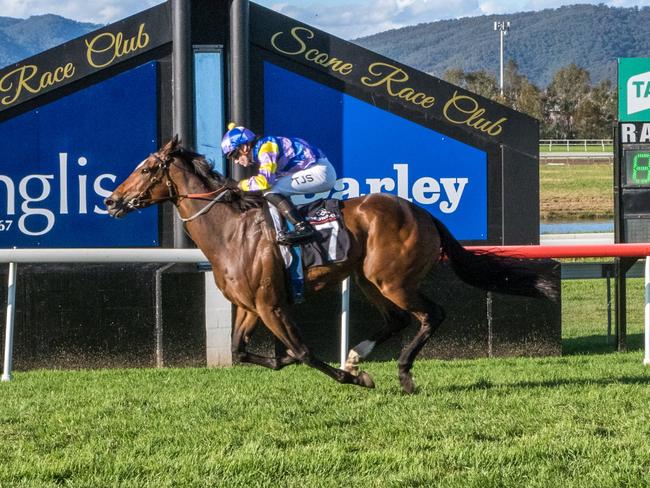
145, 170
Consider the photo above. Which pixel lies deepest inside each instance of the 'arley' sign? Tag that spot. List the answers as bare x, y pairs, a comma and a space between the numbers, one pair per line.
446, 193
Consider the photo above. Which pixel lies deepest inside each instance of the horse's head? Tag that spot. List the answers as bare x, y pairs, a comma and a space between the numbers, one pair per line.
149, 183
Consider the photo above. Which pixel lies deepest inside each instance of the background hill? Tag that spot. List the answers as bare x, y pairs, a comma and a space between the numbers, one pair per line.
591, 36
21, 38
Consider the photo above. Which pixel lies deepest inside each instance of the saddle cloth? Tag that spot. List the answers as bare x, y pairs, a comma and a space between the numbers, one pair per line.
332, 240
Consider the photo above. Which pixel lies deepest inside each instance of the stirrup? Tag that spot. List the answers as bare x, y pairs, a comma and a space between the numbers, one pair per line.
296, 236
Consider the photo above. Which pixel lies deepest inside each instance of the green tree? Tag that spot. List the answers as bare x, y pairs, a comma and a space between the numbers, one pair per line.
520, 94
569, 88
483, 83
455, 76
595, 116
480, 82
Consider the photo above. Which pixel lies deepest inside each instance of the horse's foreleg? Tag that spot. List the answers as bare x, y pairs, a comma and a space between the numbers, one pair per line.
245, 323
281, 326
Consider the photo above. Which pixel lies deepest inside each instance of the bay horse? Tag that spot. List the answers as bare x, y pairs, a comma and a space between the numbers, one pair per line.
394, 244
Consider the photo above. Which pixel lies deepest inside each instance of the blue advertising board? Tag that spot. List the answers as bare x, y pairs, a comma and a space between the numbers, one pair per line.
59, 161
374, 151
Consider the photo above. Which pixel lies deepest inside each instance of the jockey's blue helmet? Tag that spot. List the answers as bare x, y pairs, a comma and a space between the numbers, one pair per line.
235, 137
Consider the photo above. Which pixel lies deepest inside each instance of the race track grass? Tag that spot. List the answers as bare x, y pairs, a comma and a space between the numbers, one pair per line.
576, 191
581, 420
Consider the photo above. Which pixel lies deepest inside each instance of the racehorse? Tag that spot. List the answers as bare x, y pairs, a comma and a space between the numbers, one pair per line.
394, 244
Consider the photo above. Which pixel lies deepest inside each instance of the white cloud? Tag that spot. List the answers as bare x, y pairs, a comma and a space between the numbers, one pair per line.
97, 11
357, 18
345, 18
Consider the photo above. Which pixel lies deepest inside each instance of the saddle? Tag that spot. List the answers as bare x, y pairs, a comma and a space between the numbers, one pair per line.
331, 243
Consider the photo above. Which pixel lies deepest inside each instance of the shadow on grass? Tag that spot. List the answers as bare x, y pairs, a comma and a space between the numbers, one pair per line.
484, 384
598, 344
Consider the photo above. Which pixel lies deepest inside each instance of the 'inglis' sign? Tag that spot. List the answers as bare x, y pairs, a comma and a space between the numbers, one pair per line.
71, 154
32, 201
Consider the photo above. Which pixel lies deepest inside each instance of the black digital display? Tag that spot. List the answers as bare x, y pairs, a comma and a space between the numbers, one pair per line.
637, 167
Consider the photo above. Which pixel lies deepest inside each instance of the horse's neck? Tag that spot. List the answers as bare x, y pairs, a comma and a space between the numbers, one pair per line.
218, 232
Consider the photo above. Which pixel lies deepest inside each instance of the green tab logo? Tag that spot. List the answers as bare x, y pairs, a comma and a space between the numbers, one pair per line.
634, 89
638, 93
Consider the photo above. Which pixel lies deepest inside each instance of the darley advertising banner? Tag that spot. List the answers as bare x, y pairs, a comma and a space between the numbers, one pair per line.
83, 56
376, 151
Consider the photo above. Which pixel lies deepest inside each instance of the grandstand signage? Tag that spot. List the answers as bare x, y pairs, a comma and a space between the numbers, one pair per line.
83, 56
70, 155
389, 128
383, 78
634, 89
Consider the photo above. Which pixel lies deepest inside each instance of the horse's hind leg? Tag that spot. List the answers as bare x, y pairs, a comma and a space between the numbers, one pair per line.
395, 320
281, 326
430, 315
245, 323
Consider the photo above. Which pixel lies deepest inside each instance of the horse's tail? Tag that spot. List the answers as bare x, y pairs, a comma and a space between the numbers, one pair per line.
495, 273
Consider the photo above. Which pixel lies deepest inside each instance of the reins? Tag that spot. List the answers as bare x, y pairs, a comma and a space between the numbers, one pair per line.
207, 207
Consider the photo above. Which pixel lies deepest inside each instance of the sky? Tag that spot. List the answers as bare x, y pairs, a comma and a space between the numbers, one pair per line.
348, 19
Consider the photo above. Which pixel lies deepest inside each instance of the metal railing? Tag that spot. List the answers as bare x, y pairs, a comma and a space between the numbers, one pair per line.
576, 145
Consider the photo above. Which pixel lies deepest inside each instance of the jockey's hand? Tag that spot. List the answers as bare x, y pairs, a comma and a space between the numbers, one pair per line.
231, 184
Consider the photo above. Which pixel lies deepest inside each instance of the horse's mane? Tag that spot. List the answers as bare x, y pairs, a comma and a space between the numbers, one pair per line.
239, 199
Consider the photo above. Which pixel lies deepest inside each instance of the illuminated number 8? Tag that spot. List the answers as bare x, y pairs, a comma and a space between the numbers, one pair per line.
636, 168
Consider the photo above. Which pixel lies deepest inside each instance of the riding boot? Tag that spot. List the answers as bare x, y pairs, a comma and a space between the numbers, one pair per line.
302, 230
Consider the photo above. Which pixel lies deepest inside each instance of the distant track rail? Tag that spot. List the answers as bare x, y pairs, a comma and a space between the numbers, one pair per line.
587, 157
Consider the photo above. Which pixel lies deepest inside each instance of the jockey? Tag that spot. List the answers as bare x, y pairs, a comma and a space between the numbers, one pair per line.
285, 166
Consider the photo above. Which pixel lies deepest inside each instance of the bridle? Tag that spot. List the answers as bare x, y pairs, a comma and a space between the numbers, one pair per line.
161, 171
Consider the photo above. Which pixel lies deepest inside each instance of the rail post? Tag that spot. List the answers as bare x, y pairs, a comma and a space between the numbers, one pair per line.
646, 338
9, 332
345, 320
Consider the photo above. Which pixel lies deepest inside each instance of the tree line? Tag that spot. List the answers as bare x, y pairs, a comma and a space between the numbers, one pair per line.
570, 107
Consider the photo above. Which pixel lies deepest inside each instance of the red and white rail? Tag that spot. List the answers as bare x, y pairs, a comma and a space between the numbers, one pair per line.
587, 251
571, 251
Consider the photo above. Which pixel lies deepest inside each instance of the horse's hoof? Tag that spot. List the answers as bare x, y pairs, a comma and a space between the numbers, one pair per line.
353, 369
408, 385
364, 379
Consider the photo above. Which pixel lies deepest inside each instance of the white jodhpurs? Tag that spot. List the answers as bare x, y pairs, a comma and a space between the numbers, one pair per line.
317, 178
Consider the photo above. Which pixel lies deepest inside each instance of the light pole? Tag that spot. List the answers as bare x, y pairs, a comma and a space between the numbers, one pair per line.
503, 27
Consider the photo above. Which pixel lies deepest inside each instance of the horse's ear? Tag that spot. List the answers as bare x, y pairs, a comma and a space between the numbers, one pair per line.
171, 145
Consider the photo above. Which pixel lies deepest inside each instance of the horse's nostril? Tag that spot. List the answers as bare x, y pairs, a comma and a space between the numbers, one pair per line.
109, 202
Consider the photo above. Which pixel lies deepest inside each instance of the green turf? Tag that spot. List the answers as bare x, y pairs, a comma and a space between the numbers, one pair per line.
581, 420
576, 191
